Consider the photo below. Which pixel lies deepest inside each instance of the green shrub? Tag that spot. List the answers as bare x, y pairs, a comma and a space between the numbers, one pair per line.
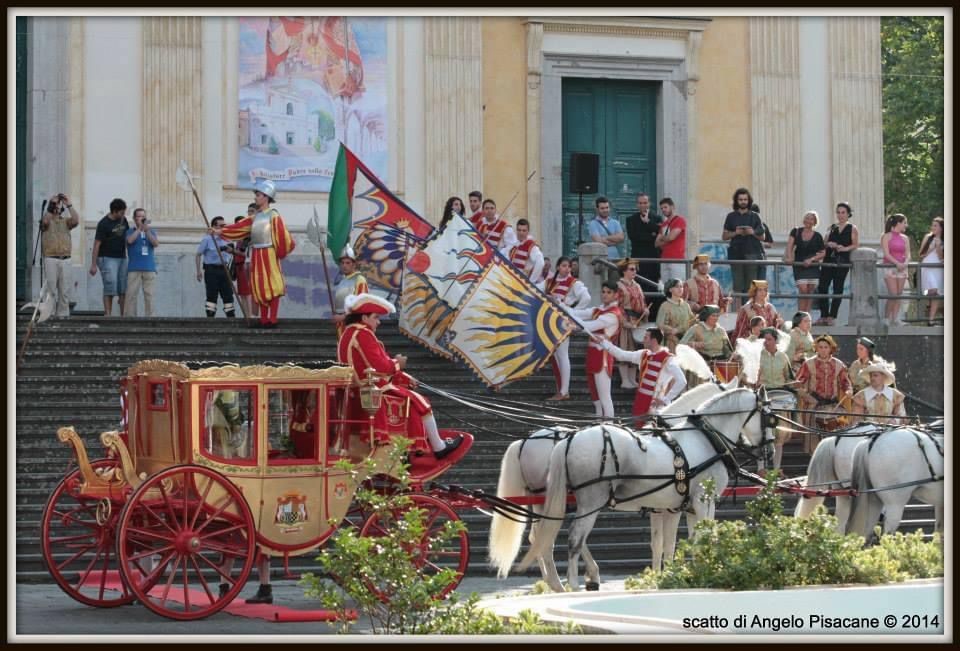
769, 550
383, 577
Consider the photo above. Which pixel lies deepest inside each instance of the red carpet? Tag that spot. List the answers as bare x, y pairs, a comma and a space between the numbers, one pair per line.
238, 607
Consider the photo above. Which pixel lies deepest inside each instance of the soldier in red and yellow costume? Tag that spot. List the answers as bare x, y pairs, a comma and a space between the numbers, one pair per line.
604, 325
270, 242
360, 349
822, 383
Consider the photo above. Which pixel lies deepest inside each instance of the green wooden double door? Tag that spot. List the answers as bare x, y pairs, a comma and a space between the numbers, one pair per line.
617, 120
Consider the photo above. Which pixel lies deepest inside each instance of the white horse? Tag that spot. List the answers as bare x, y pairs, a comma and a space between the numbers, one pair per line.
643, 462
886, 468
831, 467
523, 472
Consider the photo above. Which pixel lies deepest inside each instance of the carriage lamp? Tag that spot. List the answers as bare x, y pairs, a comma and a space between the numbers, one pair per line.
370, 393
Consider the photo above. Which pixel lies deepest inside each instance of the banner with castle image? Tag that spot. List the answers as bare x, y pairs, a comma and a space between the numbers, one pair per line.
306, 84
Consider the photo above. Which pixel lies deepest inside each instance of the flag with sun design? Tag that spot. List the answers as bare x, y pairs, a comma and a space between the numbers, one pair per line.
505, 328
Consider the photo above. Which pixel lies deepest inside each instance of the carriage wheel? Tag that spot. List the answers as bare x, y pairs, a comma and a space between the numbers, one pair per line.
429, 559
178, 537
77, 549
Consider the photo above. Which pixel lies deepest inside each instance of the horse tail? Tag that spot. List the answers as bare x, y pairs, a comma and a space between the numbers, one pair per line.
554, 506
867, 506
506, 533
819, 472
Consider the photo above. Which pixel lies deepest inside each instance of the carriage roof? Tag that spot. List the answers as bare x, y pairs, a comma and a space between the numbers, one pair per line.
235, 372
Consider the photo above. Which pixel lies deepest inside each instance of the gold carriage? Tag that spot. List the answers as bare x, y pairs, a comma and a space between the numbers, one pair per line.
211, 467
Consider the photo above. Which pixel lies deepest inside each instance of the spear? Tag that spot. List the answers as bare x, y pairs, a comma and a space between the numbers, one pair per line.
185, 179
42, 310
318, 236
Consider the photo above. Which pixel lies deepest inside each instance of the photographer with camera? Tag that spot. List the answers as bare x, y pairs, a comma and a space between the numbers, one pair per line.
141, 265
214, 274
56, 243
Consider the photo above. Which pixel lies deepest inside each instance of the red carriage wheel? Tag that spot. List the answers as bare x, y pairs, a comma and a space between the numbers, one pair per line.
79, 548
183, 532
429, 559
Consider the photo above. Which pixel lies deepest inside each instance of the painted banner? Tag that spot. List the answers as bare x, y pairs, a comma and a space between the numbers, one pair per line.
462, 299
382, 230
505, 328
305, 84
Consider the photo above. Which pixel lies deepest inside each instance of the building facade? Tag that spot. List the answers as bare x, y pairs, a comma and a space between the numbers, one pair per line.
686, 107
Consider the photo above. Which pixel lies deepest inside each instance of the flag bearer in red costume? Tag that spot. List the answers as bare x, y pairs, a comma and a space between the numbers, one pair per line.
360, 349
270, 242
494, 229
661, 379
604, 324
566, 290
526, 255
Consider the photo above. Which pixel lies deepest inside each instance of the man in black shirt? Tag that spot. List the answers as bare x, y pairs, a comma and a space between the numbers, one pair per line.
642, 228
110, 255
745, 232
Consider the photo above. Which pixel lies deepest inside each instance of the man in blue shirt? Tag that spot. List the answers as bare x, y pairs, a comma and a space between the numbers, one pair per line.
141, 265
214, 274
605, 229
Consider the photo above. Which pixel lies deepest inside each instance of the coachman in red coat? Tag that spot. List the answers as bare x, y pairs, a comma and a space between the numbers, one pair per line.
402, 409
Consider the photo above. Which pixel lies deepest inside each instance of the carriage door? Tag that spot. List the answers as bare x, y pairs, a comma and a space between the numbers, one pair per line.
294, 509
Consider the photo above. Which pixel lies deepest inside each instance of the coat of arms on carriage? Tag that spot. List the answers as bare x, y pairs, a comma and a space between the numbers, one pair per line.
291, 509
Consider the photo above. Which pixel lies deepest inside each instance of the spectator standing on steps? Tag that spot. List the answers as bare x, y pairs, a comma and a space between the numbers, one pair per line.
841, 240
672, 241
605, 229
214, 274
744, 230
56, 245
110, 255
141, 265
642, 229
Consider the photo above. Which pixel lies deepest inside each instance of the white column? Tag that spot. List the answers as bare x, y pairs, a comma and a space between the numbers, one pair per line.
534, 74
857, 126
775, 106
172, 113
453, 109
816, 156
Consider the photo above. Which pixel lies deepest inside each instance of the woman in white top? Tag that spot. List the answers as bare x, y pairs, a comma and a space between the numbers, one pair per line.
570, 292
931, 278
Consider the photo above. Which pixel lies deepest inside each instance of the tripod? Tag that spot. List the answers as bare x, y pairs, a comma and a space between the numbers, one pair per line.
36, 244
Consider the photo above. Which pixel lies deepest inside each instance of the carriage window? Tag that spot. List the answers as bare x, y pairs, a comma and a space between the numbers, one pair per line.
228, 423
158, 395
292, 424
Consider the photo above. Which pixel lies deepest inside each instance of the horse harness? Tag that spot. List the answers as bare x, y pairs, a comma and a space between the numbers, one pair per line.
917, 435
557, 434
682, 473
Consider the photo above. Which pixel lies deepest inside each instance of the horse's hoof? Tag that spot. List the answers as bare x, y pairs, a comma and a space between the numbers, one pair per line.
591, 586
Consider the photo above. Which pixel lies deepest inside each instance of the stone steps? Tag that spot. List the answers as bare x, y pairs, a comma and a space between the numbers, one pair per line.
70, 374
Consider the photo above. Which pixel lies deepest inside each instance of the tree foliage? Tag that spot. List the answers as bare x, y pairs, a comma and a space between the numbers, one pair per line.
912, 65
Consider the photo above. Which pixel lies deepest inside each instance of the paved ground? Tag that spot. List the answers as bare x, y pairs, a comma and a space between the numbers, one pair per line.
43, 610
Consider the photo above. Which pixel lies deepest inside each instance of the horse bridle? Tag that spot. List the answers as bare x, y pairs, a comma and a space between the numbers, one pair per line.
769, 421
